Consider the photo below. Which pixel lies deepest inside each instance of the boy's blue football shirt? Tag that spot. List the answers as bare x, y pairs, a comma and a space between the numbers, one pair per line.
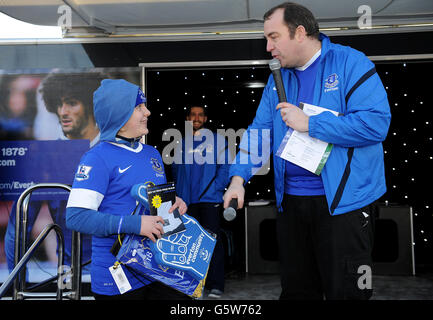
103, 182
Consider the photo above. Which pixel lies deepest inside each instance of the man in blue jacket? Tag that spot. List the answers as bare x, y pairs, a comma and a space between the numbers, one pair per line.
324, 222
201, 179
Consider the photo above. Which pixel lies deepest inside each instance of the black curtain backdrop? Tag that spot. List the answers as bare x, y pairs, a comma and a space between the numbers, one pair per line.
231, 102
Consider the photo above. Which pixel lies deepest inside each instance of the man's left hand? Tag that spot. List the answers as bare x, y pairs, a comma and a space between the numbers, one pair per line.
293, 116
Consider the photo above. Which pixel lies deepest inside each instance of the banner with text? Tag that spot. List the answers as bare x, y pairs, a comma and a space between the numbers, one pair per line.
26, 163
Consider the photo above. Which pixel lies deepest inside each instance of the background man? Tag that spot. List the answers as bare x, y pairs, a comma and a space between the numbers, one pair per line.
201, 186
70, 96
324, 222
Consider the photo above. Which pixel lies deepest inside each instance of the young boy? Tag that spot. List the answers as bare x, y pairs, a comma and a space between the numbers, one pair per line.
100, 203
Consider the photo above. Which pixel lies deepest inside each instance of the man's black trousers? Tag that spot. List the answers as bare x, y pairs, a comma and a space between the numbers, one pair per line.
324, 256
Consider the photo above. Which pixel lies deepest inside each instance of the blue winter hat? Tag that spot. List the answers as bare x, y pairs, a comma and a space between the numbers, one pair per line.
140, 98
113, 104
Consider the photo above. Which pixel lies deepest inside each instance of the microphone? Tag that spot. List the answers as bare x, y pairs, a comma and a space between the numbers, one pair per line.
275, 67
230, 212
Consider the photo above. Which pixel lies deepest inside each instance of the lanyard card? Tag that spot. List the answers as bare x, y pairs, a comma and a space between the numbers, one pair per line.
120, 278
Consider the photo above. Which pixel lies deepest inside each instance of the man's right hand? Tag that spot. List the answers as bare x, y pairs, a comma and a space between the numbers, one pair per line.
151, 227
235, 190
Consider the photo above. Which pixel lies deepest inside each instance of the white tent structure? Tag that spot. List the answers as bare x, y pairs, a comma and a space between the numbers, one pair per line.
176, 20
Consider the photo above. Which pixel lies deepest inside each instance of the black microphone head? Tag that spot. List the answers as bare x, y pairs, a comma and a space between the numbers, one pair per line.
274, 64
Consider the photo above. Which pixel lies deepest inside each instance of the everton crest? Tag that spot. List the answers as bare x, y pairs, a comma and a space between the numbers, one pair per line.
156, 166
331, 82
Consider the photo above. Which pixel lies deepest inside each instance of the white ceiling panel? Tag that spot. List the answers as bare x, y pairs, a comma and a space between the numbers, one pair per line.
204, 17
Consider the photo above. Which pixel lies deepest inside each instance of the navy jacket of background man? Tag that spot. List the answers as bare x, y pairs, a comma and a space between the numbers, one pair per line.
215, 175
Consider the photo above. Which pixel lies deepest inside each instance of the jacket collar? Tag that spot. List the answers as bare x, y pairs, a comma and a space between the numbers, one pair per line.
326, 43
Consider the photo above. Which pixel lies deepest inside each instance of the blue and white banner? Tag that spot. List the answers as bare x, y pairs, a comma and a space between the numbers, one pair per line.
29, 162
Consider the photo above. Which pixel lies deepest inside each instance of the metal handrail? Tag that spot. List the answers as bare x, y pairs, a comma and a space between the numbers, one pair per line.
51, 279
19, 283
22, 263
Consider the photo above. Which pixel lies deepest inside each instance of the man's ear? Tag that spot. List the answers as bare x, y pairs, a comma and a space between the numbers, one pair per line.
205, 119
300, 33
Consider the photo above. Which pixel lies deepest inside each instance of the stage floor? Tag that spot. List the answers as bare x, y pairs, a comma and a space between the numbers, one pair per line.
242, 286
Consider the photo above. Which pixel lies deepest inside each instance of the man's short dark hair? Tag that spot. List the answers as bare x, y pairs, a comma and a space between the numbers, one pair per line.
296, 15
190, 106
79, 86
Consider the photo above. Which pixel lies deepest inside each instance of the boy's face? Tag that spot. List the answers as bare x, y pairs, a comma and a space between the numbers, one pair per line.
72, 118
136, 126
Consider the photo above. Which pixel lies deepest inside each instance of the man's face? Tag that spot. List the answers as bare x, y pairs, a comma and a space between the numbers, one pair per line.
72, 118
197, 117
279, 43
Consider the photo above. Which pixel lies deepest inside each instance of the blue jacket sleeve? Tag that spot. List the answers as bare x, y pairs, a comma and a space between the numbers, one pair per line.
101, 224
